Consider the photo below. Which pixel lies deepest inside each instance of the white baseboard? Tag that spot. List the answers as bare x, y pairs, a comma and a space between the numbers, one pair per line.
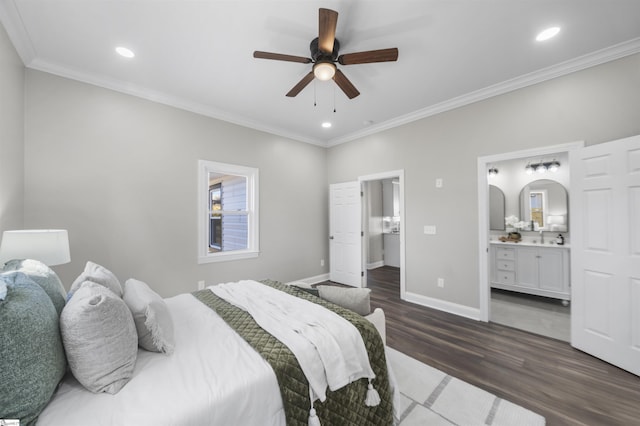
443, 305
375, 265
314, 280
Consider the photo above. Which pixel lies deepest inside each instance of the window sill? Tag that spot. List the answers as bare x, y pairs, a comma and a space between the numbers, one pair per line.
228, 256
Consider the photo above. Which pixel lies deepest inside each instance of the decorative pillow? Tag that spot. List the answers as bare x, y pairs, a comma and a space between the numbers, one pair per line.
42, 275
97, 274
356, 299
32, 359
151, 316
99, 338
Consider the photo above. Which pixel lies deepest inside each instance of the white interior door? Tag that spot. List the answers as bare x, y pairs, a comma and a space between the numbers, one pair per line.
345, 234
605, 241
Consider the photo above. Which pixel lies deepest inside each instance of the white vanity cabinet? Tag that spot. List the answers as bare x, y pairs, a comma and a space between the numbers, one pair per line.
534, 269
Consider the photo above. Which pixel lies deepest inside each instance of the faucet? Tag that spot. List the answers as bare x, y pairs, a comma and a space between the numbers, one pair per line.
541, 236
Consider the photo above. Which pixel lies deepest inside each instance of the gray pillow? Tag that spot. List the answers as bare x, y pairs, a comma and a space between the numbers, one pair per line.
32, 361
42, 275
97, 274
356, 299
151, 316
99, 338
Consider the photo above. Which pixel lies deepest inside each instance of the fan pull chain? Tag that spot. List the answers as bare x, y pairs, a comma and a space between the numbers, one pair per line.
314, 93
334, 99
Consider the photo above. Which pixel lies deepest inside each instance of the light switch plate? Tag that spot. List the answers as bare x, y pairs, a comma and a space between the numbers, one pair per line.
430, 229
439, 183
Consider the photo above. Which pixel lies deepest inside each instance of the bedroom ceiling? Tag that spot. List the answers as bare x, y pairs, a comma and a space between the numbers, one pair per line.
197, 55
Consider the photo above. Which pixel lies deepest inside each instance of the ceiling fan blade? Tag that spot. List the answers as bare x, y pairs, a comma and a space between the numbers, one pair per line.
280, 57
343, 83
381, 55
301, 85
328, 20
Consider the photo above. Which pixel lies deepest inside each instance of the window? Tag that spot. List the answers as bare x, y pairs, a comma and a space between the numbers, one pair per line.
228, 212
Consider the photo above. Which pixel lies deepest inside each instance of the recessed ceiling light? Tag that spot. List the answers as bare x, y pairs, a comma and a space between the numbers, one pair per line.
548, 33
326, 124
123, 51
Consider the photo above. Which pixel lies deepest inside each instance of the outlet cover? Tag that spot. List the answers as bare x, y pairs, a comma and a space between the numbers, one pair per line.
430, 229
440, 282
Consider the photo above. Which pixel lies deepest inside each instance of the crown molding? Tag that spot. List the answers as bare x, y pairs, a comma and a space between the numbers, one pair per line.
167, 99
10, 17
599, 57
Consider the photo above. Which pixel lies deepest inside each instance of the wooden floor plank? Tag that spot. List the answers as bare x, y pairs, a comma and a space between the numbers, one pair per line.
548, 376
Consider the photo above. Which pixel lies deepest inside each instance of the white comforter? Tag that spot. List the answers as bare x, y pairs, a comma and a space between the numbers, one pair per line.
213, 378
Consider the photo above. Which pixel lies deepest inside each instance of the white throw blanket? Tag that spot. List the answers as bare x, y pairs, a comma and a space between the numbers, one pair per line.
329, 348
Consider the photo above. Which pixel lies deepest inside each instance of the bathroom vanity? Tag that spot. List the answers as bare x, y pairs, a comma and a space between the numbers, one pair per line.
533, 268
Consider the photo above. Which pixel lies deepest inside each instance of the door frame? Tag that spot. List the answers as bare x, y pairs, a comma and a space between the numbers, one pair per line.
483, 212
382, 176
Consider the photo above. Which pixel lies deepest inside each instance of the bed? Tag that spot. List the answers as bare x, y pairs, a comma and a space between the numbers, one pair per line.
225, 370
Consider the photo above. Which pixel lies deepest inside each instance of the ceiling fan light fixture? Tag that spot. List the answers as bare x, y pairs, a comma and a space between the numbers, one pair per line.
324, 70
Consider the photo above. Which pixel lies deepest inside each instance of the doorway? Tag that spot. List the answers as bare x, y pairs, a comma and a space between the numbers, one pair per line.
383, 223
534, 310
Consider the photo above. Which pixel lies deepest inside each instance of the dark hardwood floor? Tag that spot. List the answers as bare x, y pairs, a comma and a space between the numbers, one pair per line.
548, 376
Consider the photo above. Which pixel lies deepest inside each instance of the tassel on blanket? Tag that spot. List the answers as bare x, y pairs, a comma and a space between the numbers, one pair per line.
313, 418
373, 398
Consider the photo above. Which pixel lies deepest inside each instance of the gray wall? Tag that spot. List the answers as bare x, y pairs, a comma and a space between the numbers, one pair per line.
120, 173
11, 135
595, 105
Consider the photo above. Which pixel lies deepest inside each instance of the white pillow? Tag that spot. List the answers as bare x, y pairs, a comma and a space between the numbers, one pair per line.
97, 274
99, 338
356, 299
151, 316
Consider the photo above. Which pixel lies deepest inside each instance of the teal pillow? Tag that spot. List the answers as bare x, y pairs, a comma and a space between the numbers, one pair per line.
42, 275
32, 360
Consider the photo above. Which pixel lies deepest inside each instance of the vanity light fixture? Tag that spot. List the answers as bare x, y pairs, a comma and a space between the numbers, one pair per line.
542, 167
529, 169
493, 171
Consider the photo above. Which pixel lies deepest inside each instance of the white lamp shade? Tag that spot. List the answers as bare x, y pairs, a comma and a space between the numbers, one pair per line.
49, 246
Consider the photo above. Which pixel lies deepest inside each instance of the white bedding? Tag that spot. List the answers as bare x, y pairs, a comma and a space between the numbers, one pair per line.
213, 378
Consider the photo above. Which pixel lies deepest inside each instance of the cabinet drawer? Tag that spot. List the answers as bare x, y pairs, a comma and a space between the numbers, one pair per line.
505, 253
505, 265
506, 277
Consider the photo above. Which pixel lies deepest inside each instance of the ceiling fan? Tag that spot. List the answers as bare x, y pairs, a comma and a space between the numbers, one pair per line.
324, 55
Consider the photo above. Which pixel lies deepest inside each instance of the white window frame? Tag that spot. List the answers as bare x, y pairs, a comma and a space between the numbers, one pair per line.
253, 247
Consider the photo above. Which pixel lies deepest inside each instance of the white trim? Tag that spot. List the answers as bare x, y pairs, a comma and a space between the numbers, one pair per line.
443, 305
483, 212
375, 265
400, 175
312, 280
599, 57
253, 234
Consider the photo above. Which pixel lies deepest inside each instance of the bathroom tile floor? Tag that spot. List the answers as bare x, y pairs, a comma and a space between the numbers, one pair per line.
540, 315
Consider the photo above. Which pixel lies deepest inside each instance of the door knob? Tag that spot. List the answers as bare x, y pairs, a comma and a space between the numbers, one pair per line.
331, 237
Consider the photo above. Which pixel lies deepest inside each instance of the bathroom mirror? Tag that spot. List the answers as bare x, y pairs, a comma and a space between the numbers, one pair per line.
496, 208
544, 203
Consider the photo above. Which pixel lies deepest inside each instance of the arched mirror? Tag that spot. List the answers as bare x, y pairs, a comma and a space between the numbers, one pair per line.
544, 203
496, 208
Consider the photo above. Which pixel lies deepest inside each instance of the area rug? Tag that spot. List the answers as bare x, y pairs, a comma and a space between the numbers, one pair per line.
431, 397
